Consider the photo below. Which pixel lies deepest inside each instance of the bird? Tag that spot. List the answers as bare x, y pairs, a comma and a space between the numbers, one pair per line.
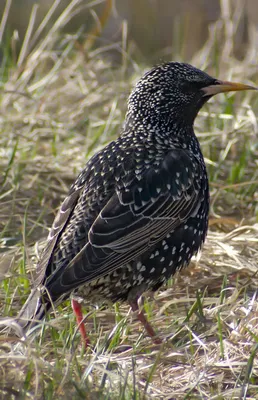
138, 211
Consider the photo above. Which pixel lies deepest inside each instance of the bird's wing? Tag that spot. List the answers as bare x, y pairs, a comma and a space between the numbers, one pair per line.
136, 217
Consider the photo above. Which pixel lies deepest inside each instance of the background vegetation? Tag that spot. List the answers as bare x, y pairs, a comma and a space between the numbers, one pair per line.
63, 96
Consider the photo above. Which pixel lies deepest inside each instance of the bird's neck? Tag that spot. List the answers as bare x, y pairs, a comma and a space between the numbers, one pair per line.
162, 131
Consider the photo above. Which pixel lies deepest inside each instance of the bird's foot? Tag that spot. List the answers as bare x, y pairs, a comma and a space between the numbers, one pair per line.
141, 317
77, 309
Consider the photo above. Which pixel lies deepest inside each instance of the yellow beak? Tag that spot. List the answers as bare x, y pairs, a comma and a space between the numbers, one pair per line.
225, 86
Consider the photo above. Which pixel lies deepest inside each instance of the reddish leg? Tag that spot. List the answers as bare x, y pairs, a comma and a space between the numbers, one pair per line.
77, 309
141, 317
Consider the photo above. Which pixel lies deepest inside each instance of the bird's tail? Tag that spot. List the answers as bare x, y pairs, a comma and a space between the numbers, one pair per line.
29, 316
31, 313
31, 310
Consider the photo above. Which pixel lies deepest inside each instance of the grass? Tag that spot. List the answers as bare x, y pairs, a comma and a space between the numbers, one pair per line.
59, 104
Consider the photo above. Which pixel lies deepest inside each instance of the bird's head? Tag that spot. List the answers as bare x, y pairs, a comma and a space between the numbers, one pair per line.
175, 92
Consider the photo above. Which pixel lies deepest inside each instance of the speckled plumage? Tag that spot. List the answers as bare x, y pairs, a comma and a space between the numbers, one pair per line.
139, 209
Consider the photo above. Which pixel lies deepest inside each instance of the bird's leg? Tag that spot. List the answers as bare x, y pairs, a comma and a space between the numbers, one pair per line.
141, 317
77, 309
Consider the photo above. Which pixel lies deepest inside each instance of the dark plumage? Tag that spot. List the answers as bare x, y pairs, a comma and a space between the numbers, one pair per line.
138, 211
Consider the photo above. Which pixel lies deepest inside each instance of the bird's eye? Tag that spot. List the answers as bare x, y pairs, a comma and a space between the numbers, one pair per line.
190, 87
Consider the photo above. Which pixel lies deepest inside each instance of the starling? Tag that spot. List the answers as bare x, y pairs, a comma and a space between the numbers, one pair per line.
138, 211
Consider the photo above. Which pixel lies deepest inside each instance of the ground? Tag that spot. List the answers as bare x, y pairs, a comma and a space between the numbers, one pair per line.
59, 104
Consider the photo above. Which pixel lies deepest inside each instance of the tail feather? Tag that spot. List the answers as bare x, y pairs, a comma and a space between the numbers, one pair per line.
32, 311
29, 316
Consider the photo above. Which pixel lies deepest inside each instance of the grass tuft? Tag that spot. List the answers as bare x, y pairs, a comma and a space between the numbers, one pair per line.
62, 101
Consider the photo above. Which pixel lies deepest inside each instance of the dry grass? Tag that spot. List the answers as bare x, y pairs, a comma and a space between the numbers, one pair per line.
59, 104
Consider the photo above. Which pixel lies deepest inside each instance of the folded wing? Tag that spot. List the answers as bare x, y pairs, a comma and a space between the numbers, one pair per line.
135, 217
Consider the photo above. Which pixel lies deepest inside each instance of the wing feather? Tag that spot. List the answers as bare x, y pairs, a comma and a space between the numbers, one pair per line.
135, 218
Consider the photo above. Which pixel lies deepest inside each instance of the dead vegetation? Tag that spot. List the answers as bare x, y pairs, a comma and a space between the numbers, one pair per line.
58, 105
